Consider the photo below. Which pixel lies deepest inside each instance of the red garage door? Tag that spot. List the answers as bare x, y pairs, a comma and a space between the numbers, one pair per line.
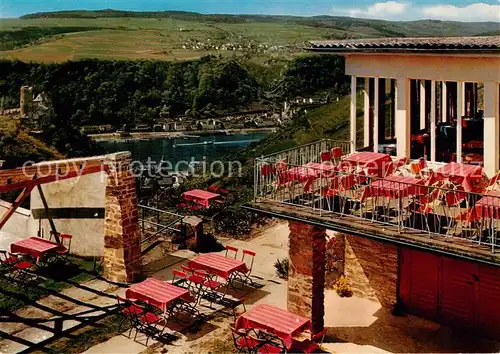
450, 291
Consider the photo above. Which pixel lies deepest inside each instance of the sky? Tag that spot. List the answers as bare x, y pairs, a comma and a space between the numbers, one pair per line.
454, 10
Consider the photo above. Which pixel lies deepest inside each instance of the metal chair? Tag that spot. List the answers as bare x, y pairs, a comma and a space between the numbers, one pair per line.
130, 312
231, 249
17, 267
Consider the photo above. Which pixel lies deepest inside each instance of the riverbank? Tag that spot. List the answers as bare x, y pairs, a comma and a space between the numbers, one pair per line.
175, 135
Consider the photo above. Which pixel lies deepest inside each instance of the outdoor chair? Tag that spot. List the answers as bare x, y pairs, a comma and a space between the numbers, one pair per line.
244, 277
210, 287
63, 252
148, 324
494, 181
272, 344
313, 345
336, 154
130, 312
326, 156
179, 278
231, 249
17, 267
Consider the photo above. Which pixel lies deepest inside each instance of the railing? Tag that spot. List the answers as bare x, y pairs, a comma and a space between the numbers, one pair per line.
157, 223
421, 207
308, 153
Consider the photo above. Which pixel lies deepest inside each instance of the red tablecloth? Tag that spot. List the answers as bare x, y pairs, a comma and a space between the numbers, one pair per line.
201, 197
462, 174
156, 293
309, 173
394, 187
35, 247
217, 264
274, 320
487, 208
373, 163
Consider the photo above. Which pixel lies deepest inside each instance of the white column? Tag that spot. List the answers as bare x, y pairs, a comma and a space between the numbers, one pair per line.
460, 113
366, 110
444, 102
423, 117
375, 115
353, 114
491, 128
433, 121
403, 116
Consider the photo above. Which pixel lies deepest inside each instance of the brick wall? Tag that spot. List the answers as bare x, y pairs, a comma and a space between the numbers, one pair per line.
306, 278
379, 264
122, 247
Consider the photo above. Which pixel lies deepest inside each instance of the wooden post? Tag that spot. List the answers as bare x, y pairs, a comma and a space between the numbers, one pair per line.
46, 207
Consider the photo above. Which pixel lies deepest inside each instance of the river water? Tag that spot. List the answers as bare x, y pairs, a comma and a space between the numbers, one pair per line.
180, 152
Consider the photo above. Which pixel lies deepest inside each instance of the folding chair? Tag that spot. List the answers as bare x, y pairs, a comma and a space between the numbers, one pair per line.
148, 324
210, 286
179, 278
130, 311
17, 267
243, 277
313, 345
336, 154
231, 249
62, 253
239, 339
326, 156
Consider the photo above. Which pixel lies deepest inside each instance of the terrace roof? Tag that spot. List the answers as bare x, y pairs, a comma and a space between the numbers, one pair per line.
486, 44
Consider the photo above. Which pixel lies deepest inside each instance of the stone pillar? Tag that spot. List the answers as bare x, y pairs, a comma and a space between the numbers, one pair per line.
306, 278
381, 104
122, 238
353, 114
335, 258
444, 102
460, 114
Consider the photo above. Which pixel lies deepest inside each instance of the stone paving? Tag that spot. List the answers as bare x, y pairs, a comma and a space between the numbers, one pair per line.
355, 325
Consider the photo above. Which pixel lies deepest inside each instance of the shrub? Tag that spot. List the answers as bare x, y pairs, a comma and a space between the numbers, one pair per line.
281, 266
342, 287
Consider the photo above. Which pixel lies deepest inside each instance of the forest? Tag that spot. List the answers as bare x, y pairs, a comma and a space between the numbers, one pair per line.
92, 92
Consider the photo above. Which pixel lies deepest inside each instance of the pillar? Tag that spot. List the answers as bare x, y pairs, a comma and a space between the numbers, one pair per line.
376, 117
353, 114
381, 109
460, 114
366, 113
433, 121
306, 277
122, 238
403, 117
491, 128
444, 102
423, 113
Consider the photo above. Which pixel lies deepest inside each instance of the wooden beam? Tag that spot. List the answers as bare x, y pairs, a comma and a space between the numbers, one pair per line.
21, 180
47, 213
11, 210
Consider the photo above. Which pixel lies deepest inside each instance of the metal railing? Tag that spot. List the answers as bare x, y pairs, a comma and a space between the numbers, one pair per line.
157, 223
308, 153
434, 209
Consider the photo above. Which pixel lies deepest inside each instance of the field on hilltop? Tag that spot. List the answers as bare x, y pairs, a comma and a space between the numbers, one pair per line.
61, 36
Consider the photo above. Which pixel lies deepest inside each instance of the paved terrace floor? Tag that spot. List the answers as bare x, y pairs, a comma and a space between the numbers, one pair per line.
356, 324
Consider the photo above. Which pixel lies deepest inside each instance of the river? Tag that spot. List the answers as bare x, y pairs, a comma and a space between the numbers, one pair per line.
180, 152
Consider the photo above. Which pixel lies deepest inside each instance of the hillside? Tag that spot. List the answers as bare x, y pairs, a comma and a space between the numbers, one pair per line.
171, 35
17, 147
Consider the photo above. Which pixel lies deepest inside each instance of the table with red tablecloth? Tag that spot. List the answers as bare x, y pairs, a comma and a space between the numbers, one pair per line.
200, 196
35, 247
373, 163
156, 293
217, 264
465, 175
488, 207
276, 321
395, 187
308, 173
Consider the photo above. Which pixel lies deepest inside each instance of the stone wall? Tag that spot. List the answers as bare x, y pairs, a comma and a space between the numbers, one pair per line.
306, 278
379, 262
335, 256
122, 240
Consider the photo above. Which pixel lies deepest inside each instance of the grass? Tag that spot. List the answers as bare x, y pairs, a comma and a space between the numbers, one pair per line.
61, 39
82, 271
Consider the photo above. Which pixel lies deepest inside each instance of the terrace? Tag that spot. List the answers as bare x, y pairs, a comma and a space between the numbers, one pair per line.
452, 208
